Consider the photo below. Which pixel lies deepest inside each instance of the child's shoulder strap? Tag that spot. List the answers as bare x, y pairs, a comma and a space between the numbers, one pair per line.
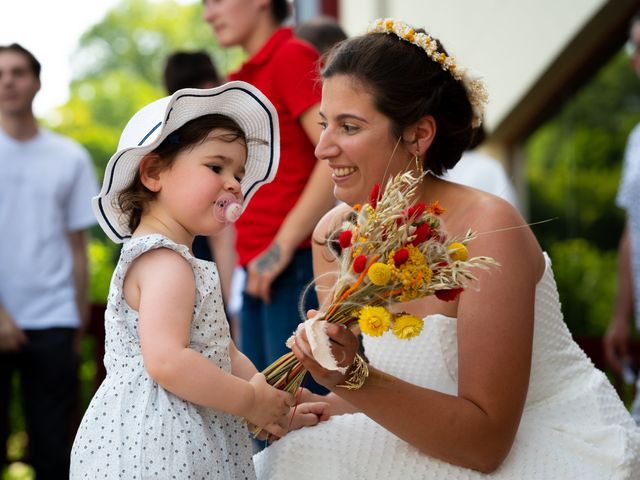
136, 246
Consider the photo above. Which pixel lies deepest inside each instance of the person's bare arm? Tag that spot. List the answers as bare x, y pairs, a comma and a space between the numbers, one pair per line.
241, 366
78, 242
162, 289
316, 199
12, 338
616, 340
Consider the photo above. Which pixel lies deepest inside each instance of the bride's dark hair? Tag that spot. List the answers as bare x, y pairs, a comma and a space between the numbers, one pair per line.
407, 85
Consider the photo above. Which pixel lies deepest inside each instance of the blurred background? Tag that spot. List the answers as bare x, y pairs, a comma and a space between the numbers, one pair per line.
563, 101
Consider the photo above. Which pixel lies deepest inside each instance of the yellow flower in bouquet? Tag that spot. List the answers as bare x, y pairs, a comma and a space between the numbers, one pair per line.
458, 252
389, 251
407, 326
379, 274
374, 321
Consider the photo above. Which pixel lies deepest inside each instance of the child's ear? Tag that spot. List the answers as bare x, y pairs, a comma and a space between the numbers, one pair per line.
149, 171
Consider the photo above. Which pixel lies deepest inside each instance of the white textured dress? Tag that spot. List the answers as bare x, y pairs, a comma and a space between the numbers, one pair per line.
574, 425
134, 428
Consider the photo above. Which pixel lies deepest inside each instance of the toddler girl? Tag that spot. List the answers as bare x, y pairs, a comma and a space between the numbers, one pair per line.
176, 390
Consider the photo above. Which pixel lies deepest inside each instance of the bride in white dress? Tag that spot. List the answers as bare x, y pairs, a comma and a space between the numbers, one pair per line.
494, 384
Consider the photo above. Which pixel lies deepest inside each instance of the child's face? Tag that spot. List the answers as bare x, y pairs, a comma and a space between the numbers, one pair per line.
197, 178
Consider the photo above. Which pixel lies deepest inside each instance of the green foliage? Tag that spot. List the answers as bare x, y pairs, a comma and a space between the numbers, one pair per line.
580, 204
136, 37
101, 264
18, 439
573, 171
18, 470
586, 279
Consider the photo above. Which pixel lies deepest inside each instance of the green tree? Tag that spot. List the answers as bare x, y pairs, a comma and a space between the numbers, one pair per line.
573, 170
135, 38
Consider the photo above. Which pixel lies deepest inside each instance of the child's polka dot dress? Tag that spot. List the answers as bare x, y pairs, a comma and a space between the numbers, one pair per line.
133, 427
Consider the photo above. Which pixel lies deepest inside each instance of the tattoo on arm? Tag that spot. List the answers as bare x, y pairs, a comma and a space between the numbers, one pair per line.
268, 259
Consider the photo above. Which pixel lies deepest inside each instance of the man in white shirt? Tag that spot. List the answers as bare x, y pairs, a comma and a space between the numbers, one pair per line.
627, 302
46, 184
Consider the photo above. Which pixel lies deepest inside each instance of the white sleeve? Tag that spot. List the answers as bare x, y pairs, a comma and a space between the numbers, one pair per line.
630, 176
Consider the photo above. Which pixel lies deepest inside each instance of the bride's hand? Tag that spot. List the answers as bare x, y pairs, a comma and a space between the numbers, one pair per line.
344, 346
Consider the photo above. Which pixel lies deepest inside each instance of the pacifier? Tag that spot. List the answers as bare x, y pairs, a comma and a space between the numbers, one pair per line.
227, 208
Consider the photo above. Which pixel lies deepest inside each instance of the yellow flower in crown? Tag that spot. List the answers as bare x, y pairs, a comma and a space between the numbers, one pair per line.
379, 273
457, 251
374, 321
410, 35
407, 326
472, 83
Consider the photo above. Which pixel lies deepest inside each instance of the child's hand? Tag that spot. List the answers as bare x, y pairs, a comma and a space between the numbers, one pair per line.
270, 405
309, 414
304, 415
269, 433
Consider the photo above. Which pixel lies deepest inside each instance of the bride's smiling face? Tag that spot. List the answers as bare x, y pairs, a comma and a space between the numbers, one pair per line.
356, 140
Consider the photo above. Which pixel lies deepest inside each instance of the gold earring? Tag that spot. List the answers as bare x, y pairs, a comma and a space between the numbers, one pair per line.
418, 161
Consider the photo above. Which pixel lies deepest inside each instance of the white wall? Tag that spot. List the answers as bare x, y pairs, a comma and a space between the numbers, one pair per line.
511, 42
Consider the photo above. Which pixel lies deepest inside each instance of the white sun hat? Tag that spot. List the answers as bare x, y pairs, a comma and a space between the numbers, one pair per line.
240, 101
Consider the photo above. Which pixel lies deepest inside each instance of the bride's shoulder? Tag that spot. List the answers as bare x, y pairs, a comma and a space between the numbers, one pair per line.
481, 210
501, 232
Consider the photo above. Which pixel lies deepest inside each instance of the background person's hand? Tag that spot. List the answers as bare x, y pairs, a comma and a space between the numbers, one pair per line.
616, 343
12, 338
264, 269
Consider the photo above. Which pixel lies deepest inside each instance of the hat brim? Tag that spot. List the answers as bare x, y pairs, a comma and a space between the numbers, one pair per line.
240, 101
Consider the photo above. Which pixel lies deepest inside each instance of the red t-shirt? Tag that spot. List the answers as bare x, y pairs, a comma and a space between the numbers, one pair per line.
285, 70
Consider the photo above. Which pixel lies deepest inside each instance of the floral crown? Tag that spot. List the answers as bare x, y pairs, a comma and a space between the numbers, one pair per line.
472, 83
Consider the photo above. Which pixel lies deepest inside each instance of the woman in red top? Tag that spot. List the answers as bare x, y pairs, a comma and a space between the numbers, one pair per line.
273, 235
